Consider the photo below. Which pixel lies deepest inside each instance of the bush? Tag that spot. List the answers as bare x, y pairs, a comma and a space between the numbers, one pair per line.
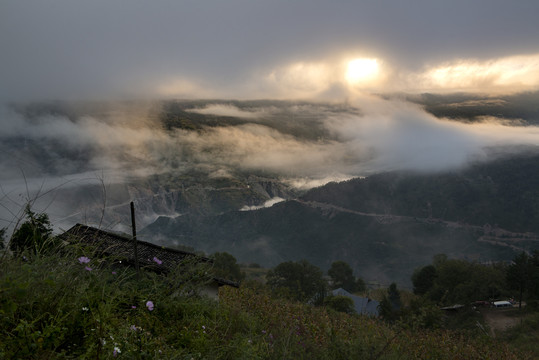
34, 235
340, 303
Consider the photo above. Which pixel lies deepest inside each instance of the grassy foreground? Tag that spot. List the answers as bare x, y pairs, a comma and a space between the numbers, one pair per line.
61, 307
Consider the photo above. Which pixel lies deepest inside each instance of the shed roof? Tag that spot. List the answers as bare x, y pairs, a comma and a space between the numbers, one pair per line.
362, 305
154, 257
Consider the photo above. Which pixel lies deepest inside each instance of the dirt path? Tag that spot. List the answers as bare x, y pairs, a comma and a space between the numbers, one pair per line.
500, 319
498, 236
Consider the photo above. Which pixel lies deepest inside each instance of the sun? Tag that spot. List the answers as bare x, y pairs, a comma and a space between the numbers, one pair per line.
362, 70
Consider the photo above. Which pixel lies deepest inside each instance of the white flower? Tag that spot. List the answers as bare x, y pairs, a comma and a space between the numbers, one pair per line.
116, 351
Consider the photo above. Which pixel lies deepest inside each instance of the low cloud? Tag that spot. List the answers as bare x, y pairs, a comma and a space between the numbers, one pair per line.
266, 204
297, 142
496, 75
229, 110
304, 145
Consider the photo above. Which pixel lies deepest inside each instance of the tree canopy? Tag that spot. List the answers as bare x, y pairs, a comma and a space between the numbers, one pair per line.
423, 279
226, 267
523, 275
2, 237
302, 280
451, 281
34, 235
342, 276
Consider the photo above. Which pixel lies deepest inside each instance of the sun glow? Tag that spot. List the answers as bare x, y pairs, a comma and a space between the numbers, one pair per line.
362, 70
512, 72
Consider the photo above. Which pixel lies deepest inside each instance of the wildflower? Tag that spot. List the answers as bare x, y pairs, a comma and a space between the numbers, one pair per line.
263, 331
249, 341
149, 305
116, 351
114, 273
83, 260
87, 268
155, 259
133, 307
85, 308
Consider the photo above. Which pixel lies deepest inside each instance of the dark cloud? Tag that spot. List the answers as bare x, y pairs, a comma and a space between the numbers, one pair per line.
62, 49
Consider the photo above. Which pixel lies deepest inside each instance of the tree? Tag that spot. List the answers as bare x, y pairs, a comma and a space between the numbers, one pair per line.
340, 303
451, 281
423, 279
226, 267
342, 276
2, 237
394, 296
302, 280
34, 235
533, 288
518, 275
390, 305
421, 313
360, 284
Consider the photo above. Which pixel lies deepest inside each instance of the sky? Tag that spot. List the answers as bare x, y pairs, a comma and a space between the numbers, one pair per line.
309, 49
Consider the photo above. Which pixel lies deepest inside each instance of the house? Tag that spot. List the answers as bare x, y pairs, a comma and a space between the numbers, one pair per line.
151, 257
362, 305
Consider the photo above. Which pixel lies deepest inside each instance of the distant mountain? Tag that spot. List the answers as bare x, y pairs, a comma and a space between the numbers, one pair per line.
517, 109
384, 225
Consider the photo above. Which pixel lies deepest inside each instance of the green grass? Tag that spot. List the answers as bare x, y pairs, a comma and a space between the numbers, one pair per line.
51, 307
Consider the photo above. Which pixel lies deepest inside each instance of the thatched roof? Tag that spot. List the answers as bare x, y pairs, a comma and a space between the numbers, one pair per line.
153, 257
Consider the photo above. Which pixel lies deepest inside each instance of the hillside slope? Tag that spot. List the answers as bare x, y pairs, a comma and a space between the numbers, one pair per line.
385, 225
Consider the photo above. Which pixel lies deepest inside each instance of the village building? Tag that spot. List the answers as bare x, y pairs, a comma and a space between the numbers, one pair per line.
150, 256
362, 305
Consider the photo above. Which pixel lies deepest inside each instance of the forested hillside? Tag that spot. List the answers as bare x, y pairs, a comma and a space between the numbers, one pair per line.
386, 225
504, 192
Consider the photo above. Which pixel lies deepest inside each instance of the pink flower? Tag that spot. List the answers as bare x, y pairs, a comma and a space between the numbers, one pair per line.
87, 268
133, 307
114, 273
149, 305
155, 259
83, 260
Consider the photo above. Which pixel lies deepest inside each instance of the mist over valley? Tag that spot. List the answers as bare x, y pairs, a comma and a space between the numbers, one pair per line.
384, 184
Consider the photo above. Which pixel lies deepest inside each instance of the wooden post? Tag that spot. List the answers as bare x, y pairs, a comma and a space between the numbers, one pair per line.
134, 228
